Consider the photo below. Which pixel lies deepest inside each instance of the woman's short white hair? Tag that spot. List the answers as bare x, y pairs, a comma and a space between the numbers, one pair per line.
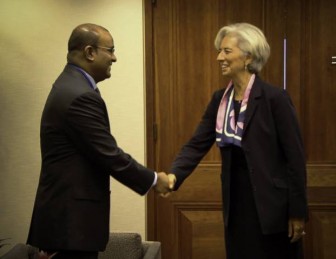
251, 41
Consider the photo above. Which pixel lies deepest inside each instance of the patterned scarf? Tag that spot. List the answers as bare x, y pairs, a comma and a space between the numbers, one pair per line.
227, 131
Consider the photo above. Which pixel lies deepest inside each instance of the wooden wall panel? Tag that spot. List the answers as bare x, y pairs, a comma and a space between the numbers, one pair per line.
322, 213
200, 235
322, 233
183, 214
188, 70
319, 81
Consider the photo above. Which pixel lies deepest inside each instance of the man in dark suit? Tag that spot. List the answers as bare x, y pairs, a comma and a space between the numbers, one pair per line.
79, 154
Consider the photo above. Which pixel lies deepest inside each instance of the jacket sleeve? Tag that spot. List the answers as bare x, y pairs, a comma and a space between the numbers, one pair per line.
290, 139
199, 144
88, 127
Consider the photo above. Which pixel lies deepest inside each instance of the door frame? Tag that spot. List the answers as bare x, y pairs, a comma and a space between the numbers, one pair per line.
150, 113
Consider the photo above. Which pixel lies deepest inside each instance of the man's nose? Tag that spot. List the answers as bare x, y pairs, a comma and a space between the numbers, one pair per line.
114, 58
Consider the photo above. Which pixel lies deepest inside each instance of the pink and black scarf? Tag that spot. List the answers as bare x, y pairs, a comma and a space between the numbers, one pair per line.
228, 132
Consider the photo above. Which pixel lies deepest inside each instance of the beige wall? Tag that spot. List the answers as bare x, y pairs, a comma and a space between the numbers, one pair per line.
34, 36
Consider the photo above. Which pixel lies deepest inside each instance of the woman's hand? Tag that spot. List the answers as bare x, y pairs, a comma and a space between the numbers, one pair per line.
296, 229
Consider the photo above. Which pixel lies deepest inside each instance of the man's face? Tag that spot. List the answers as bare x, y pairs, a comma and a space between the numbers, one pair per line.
104, 57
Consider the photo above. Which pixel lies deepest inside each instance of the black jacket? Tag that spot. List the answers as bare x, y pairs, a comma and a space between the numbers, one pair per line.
274, 152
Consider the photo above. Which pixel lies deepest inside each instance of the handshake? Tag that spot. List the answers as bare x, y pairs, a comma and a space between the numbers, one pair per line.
165, 183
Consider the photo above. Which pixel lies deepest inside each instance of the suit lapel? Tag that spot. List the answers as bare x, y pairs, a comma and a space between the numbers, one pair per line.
107, 117
77, 74
252, 103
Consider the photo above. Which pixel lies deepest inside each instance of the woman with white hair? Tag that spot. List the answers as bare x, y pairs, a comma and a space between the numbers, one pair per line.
263, 172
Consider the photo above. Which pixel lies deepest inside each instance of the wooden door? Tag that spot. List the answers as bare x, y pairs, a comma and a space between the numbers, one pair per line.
181, 75
318, 107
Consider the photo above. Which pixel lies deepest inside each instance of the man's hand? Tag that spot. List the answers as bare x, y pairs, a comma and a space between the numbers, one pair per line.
171, 184
296, 229
162, 183
165, 184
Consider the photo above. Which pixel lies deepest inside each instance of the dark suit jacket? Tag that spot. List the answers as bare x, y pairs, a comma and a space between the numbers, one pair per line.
79, 155
274, 152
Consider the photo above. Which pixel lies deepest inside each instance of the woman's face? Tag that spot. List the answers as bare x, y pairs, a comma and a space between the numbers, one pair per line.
231, 59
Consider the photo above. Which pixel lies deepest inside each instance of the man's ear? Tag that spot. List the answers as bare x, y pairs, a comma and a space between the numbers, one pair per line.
89, 52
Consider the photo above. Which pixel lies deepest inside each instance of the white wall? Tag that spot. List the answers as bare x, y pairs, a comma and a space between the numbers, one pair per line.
33, 46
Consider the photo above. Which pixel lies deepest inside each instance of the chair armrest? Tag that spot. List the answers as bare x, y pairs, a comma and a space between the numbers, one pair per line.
151, 250
21, 251
122, 245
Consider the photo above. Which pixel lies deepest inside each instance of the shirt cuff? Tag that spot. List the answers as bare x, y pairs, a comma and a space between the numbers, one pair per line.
155, 179
154, 182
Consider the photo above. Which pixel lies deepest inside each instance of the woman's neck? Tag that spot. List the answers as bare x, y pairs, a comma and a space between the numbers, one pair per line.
240, 83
